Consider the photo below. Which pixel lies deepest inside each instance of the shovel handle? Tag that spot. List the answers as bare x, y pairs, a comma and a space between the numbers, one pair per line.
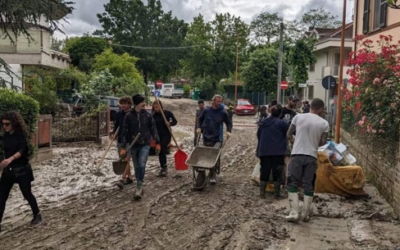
108, 148
133, 143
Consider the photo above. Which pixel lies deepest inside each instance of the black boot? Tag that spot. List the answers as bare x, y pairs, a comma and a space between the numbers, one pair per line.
263, 186
36, 219
277, 189
163, 171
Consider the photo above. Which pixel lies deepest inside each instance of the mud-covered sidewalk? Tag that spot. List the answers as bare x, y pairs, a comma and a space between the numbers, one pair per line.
82, 211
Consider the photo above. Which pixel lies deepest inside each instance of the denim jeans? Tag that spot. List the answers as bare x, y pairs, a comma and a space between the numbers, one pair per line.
139, 154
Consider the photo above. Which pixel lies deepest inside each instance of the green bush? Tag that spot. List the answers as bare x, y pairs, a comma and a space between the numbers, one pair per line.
25, 105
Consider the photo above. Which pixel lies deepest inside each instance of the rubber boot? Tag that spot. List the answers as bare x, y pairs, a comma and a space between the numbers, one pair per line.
213, 177
36, 219
263, 186
138, 191
294, 207
307, 207
277, 189
163, 171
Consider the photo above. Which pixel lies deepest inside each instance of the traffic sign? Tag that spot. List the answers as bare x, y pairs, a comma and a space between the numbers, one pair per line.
159, 83
329, 82
284, 85
302, 85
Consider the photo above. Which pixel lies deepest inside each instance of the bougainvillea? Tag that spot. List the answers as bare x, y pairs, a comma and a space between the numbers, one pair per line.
373, 96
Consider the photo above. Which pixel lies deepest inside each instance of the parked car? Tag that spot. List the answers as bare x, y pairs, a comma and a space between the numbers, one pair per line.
112, 103
153, 142
244, 107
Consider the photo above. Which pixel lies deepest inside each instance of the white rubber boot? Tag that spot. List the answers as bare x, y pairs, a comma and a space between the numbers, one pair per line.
294, 207
307, 207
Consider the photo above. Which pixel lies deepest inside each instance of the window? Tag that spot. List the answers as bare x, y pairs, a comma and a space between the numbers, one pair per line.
312, 67
366, 16
379, 15
243, 103
310, 92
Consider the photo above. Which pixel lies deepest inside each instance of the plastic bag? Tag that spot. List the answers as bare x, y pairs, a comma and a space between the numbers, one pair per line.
255, 177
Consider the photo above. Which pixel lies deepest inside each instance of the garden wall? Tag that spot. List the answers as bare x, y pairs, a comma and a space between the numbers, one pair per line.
383, 172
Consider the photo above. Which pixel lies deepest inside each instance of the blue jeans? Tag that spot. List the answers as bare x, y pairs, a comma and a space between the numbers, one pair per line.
139, 156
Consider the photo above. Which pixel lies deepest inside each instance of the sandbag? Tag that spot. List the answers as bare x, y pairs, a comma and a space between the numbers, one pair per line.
342, 180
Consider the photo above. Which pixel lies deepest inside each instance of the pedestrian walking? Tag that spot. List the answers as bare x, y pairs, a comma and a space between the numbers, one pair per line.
271, 149
201, 106
138, 120
163, 133
125, 104
15, 165
311, 132
212, 120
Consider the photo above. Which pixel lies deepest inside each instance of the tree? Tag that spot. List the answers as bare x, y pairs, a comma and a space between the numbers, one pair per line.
135, 25
43, 91
215, 56
118, 65
70, 41
265, 27
84, 50
19, 15
320, 18
260, 72
301, 56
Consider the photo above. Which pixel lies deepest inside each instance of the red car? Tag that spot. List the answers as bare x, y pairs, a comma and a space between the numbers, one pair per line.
244, 107
153, 142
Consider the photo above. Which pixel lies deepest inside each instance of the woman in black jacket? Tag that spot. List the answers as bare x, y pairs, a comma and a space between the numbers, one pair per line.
15, 166
163, 133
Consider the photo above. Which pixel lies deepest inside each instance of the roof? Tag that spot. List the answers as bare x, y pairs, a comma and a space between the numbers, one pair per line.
324, 34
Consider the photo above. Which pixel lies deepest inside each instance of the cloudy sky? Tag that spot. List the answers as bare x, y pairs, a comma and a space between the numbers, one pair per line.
84, 18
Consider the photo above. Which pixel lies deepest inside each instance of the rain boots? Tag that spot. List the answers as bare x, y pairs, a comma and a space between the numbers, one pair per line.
138, 191
307, 207
36, 219
294, 207
263, 186
163, 171
213, 177
277, 189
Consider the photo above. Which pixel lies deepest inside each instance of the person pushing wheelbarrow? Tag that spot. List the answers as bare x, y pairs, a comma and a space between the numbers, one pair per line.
211, 120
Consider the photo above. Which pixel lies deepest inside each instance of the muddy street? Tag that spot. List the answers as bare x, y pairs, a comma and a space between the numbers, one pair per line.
83, 211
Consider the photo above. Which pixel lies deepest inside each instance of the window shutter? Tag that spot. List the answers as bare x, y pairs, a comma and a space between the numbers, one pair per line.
366, 16
383, 12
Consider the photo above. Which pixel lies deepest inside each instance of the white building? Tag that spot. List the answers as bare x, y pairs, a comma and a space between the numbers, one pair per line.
327, 51
24, 53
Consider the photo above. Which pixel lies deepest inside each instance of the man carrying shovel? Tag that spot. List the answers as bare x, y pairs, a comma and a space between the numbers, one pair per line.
138, 120
211, 120
126, 104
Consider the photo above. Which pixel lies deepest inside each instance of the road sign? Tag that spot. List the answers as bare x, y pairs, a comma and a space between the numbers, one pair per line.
329, 82
159, 83
312, 82
302, 85
284, 85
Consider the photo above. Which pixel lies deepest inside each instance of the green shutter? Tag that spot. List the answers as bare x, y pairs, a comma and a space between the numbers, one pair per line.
366, 16
383, 14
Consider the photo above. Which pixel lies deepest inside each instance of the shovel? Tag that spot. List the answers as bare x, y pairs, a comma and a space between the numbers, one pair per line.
180, 156
98, 173
120, 166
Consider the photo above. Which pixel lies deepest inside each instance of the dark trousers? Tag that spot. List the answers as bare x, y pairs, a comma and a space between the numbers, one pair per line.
214, 144
164, 142
24, 177
302, 169
274, 163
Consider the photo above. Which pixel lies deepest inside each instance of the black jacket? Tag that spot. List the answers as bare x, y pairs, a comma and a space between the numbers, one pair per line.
211, 120
13, 143
119, 120
142, 123
160, 123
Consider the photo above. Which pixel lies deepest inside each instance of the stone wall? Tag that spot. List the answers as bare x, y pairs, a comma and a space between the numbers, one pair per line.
385, 178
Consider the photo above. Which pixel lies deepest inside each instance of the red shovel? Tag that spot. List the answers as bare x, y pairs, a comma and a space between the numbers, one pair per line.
180, 156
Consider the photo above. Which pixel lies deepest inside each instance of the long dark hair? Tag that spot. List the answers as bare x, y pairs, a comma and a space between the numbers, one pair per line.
159, 103
17, 122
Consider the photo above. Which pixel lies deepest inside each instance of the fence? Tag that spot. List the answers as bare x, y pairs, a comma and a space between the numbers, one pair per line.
42, 137
87, 127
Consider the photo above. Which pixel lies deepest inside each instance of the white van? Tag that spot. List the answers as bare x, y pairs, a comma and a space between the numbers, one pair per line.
170, 90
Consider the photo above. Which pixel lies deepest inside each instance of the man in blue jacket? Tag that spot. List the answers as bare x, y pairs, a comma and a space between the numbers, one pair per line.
212, 119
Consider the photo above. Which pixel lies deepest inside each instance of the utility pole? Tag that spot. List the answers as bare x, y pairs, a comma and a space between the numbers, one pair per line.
339, 94
278, 92
237, 66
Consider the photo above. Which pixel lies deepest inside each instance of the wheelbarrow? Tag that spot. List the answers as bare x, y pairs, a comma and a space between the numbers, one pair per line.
201, 159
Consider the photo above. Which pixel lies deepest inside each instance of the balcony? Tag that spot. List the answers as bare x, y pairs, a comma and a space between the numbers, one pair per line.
334, 71
49, 58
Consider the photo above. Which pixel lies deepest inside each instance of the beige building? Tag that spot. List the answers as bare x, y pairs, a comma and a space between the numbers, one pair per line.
373, 18
36, 52
327, 51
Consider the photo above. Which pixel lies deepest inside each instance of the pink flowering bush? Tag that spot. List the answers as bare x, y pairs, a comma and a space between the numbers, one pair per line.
373, 97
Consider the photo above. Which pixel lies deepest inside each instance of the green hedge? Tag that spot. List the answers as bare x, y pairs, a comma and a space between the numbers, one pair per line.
25, 105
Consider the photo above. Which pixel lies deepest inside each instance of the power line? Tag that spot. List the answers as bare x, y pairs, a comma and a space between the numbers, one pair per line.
159, 48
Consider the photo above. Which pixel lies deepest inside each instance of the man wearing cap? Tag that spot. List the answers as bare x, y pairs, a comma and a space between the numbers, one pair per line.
138, 120
288, 112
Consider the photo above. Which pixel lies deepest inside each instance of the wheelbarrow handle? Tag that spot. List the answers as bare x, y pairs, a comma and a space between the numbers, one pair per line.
133, 143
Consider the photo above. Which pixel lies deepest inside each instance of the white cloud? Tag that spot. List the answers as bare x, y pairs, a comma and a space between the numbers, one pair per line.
84, 18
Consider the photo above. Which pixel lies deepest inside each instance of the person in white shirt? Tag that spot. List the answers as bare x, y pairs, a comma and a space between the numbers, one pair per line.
311, 132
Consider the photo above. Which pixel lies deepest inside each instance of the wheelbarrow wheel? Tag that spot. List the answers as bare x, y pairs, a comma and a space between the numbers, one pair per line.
200, 181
